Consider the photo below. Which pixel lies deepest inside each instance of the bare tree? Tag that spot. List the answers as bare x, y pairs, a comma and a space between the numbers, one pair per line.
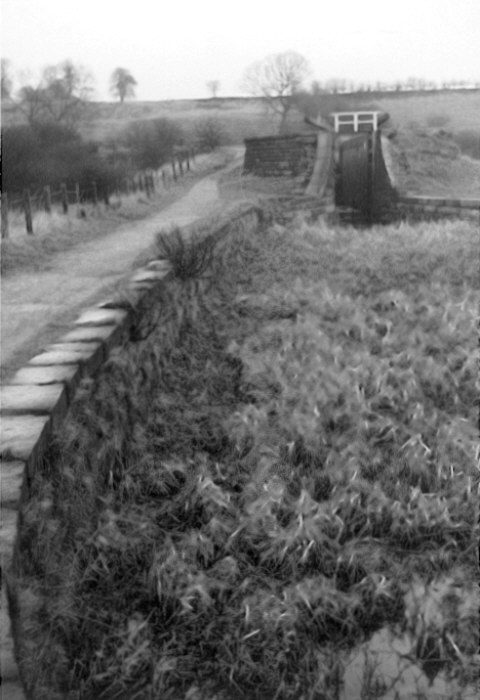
277, 78
213, 86
122, 84
59, 97
7, 83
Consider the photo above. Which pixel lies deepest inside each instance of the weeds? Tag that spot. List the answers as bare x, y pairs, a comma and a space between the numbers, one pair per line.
278, 478
190, 257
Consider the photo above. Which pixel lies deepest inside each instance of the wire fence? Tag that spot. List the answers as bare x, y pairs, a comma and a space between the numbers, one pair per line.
62, 197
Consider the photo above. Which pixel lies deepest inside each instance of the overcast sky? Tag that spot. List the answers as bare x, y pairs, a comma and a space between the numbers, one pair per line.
173, 47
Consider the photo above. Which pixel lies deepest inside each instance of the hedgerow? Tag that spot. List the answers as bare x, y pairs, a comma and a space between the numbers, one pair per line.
281, 470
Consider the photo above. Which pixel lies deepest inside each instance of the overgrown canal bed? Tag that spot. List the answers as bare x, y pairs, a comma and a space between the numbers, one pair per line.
277, 469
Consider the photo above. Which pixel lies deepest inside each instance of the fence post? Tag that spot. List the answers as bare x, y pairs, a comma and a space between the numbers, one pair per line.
64, 193
187, 155
77, 197
5, 231
180, 165
164, 180
47, 199
147, 185
94, 193
152, 182
27, 207
174, 171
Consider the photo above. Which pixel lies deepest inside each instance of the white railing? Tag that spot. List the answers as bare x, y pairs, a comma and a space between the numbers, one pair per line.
355, 119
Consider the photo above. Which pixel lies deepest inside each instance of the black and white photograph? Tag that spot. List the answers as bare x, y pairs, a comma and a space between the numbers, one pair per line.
239, 401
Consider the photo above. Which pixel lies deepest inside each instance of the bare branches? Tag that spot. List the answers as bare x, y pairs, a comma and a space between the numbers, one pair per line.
59, 97
277, 78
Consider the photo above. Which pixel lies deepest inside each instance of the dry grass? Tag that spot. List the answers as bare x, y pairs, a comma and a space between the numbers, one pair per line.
284, 468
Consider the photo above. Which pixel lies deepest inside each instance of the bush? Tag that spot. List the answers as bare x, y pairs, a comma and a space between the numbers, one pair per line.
152, 141
469, 142
209, 133
438, 120
51, 154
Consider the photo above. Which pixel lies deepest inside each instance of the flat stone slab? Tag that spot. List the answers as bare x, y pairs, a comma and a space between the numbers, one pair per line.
159, 265
149, 276
33, 399
87, 334
8, 535
54, 374
88, 355
80, 347
102, 317
12, 483
57, 358
22, 437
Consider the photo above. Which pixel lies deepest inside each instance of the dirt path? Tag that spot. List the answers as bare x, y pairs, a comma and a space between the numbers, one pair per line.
38, 306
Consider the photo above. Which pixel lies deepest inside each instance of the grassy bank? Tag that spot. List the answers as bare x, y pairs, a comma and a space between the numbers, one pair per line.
279, 469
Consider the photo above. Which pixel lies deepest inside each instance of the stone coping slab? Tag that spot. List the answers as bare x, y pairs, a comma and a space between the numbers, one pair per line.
50, 374
89, 356
8, 533
440, 201
33, 399
151, 276
86, 334
12, 483
102, 317
23, 437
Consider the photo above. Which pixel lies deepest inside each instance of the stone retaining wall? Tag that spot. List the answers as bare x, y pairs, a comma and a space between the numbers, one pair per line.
36, 401
418, 207
281, 156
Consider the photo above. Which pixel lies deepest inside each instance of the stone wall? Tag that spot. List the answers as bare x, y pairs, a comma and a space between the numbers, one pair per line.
281, 156
37, 399
420, 207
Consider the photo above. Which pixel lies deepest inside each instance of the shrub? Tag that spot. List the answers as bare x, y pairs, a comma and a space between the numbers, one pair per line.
437, 120
152, 141
189, 257
209, 134
469, 142
49, 155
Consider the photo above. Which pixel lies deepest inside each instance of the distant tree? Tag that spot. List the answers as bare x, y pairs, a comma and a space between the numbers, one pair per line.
278, 79
7, 83
209, 133
59, 98
122, 84
213, 86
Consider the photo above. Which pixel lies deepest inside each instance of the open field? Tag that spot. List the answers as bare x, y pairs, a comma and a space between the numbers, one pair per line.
271, 483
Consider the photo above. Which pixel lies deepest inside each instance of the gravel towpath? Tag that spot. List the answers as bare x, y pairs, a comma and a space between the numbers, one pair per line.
37, 307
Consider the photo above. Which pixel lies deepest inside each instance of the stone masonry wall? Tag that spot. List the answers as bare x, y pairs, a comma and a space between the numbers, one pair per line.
419, 207
281, 156
36, 401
